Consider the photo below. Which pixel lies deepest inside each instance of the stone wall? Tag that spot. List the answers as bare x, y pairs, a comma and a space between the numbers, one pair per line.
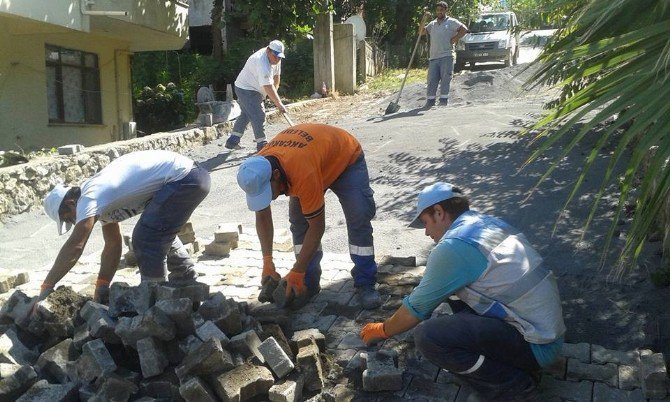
22, 187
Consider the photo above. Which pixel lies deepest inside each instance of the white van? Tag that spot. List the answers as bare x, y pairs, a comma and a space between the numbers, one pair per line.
491, 37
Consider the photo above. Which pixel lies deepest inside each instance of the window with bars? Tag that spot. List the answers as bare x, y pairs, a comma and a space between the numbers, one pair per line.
73, 86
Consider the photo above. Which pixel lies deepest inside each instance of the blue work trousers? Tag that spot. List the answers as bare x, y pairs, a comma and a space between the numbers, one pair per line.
440, 72
353, 190
155, 235
253, 111
486, 353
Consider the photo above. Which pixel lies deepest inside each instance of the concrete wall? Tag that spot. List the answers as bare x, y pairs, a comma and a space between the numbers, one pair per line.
324, 70
344, 44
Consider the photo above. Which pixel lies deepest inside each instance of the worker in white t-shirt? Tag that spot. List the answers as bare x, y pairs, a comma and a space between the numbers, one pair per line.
163, 186
259, 78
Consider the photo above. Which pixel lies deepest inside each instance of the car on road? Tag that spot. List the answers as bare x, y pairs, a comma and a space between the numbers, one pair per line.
491, 37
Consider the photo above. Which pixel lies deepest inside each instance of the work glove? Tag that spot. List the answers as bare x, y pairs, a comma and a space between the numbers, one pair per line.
101, 294
47, 289
269, 270
295, 283
373, 333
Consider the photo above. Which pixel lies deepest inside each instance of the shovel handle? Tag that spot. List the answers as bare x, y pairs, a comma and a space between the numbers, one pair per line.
288, 119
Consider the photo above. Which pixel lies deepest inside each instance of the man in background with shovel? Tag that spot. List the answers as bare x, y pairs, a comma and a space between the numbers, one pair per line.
444, 33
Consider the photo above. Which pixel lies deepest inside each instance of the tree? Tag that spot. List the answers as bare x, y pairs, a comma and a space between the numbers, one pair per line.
611, 59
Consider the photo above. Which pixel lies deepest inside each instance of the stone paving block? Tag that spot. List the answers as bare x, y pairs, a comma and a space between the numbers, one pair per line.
18, 307
275, 357
152, 357
217, 249
52, 363
70, 149
6, 283
600, 355
188, 344
566, 390
607, 373
12, 350
653, 376
209, 330
227, 233
309, 362
629, 377
579, 351
153, 323
279, 295
195, 390
43, 391
558, 368
605, 393
124, 299
225, 313
381, 371
95, 361
105, 329
307, 337
324, 323
424, 389
351, 341
113, 387
267, 289
17, 383
208, 358
81, 336
275, 331
246, 344
179, 311
243, 383
197, 292
8, 369
288, 390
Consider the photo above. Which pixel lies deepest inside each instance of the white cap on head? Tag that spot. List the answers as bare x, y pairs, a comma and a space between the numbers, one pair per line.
430, 196
277, 47
52, 203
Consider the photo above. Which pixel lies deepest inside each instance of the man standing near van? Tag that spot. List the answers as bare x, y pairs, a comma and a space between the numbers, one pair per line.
444, 33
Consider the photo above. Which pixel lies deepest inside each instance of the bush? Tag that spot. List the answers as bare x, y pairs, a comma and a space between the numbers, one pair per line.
162, 108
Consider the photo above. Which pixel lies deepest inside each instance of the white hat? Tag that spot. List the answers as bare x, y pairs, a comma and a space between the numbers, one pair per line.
430, 196
52, 203
254, 178
277, 47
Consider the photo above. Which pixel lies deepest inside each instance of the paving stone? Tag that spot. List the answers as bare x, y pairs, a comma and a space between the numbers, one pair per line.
629, 377
81, 336
8, 369
288, 390
653, 376
566, 390
351, 341
324, 323
227, 233
275, 357
6, 283
223, 312
246, 344
267, 289
179, 311
100, 324
271, 314
607, 373
275, 331
381, 371
600, 355
95, 361
163, 388
13, 351
209, 330
558, 368
113, 387
307, 337
309, 362
18, 307
70, 149
43, 391
17, 383
604, 393
195, 390
208, 358
188, 344
152, 357
243, 383
217, 249
153, 323
197, 292
126, 299
424, 389
52, 363
579, 351
279, 295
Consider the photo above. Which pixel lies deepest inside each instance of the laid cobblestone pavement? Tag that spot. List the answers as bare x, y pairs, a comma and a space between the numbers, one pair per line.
585, 373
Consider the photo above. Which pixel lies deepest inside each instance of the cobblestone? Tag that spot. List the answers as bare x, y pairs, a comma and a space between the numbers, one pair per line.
607, 373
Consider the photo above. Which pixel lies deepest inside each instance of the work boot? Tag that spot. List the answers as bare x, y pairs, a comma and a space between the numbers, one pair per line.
260, 145
429, 103
233, 142
443, 102
182, 278
368, 297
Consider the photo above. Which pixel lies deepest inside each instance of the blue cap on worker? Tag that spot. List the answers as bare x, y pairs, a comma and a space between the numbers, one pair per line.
277, 47
254, 178
430, 196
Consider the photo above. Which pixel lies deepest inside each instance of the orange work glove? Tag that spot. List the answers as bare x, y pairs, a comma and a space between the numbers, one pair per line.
269, 270
295, 283
373, 333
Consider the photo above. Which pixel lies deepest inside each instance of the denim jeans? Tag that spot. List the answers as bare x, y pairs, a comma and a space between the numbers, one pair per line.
440, 72
353, 190
253, 111
155, 235
486, 353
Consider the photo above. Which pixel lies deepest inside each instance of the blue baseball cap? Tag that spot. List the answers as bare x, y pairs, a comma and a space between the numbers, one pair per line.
254, 178
430, 196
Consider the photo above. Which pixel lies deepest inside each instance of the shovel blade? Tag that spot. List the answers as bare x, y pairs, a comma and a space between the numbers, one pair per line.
392, 108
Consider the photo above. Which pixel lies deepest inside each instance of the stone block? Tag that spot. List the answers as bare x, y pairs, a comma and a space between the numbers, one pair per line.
21, 278
279, 295
100, 324
275, 357
125, 299
267, 290
275, 331
188, 344
153, 323
565, 390
6, 283
81, 336
52, 363
653, 376
207, 359
130, 259
287, 390
217, 249
8, 369
604, 393
381, 372
152, 357
18, 307
195, 390
70, 149
95, 361
246, 344
197, 292
113, 388
209, 330
17, 383
309, 362
225, 313
600, 355
161, 389
43, 391
13, 351
243, 383
629, 377
579, 351
607, 373
227, 233
179, 311
557, 368
307, 337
